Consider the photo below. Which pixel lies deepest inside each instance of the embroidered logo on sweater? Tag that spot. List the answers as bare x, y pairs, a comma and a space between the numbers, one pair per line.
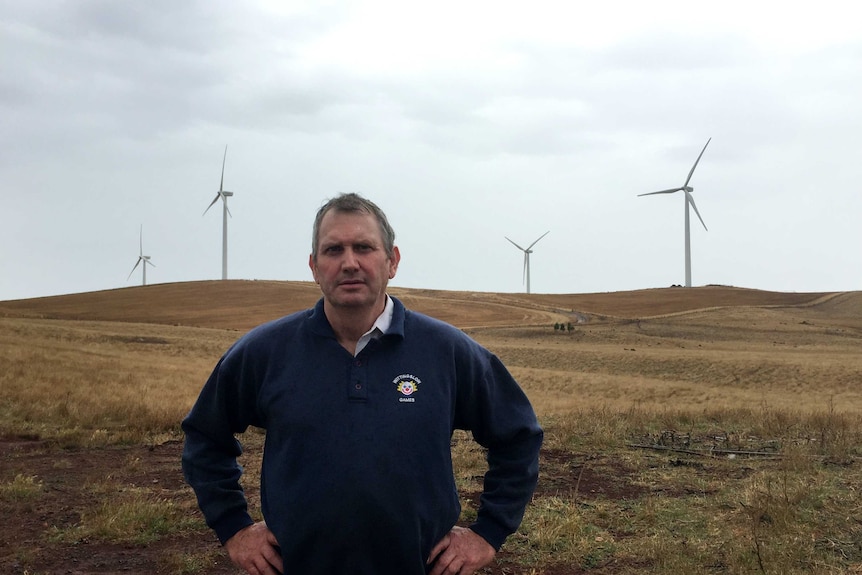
407, 385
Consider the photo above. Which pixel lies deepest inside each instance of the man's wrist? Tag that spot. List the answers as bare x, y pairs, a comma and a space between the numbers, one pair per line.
229, 526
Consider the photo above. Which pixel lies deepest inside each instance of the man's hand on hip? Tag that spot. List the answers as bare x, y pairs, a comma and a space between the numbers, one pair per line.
460, 552
255, 550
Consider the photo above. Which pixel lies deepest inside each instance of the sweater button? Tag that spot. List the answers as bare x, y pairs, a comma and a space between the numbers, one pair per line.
358, 363
358, 386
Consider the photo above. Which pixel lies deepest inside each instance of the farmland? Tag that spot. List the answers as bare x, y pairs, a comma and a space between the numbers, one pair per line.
711, 429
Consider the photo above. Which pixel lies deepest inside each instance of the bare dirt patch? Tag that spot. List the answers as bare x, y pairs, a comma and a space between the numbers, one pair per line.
65, 498
587, 476
66, 477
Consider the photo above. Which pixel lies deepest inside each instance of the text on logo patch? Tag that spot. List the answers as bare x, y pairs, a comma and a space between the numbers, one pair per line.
407, 385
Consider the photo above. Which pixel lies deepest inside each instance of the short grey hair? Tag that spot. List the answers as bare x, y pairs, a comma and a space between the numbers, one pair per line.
354, 203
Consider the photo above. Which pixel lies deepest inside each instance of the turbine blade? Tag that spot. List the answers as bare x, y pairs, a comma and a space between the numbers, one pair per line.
526, 263
516, 245
224, 198
134, 268
696, 161
212, 202
690, 200
670, 191
223, 160
540, 237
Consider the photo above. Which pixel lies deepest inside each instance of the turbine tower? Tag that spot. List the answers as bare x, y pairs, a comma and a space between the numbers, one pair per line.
527, 253
142, 259
688, 200
224, 195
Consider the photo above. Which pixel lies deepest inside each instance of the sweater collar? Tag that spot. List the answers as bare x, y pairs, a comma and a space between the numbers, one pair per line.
320, 325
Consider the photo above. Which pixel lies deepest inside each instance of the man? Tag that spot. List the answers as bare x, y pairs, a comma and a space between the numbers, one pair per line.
359, 398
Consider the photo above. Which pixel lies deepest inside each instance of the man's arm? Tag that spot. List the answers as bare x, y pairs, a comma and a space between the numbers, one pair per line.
502, 420
224, 408
213, 473
513, 471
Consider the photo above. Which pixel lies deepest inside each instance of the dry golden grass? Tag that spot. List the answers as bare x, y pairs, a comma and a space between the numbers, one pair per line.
85, 365
97, 383
637, 399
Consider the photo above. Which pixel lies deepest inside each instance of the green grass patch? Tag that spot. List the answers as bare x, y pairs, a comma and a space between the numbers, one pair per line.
131, 516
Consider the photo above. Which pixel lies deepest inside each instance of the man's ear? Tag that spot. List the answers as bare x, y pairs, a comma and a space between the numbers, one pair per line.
312, 267
393, 262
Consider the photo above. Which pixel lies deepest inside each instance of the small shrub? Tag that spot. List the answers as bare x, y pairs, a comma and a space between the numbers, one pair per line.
23, 488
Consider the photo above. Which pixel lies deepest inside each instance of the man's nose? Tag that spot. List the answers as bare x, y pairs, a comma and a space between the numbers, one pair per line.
350, 260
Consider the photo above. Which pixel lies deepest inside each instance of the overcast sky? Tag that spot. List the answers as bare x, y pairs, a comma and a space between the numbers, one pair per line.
465, 121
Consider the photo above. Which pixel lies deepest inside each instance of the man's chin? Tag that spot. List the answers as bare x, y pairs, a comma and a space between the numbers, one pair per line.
357, 298
349, 302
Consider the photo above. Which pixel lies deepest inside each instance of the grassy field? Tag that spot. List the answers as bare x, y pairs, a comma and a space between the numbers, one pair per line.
702, 430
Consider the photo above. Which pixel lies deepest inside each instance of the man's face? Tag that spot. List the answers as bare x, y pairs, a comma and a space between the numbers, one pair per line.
352, 267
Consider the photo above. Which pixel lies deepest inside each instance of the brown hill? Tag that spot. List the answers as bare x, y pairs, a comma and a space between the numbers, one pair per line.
242, 304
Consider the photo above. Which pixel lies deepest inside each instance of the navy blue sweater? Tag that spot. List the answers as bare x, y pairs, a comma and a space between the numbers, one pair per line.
357, 472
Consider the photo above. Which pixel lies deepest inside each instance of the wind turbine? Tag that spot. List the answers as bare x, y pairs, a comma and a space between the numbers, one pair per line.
688, 200
142, 259
224, 195
527, 253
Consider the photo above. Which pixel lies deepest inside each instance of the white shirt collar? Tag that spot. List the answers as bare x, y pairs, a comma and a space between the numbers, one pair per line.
381, 326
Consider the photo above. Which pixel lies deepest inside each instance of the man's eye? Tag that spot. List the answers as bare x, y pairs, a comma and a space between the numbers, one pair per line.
362, 248
333, 250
